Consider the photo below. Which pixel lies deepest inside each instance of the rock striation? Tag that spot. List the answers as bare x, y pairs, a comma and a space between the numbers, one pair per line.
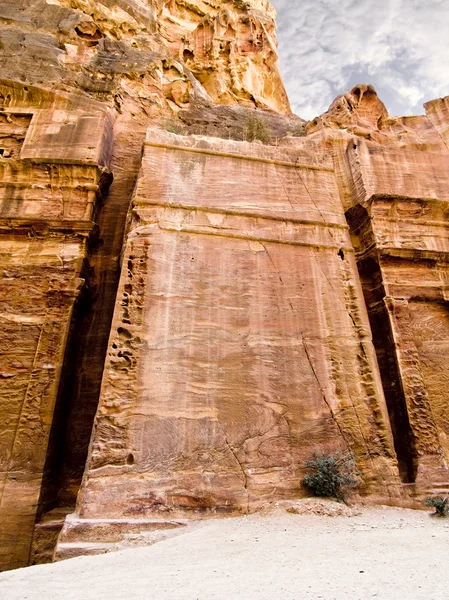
198, 289
54, 173
80, 82
226, 363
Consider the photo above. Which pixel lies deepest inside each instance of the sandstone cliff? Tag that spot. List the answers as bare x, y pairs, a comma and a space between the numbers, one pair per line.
223, 306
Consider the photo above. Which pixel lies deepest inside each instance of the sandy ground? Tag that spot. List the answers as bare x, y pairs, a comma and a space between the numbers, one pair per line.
382, 553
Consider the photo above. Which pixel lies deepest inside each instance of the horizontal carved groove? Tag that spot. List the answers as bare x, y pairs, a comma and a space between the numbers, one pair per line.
88, 187
416, 222
270, 161
81, 227
200, 231
239, 213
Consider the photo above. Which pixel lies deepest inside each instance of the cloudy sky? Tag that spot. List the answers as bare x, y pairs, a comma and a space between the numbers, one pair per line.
399, 46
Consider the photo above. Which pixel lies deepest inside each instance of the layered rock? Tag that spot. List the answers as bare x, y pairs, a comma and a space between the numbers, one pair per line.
53, 172
274, 298
240, 342
78, 79
152, 57
394, 185
222, 322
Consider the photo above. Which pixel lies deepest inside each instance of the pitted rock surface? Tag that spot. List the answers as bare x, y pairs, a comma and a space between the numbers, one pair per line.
198, 289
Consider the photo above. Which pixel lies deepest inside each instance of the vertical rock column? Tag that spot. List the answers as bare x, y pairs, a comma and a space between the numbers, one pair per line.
52, 169
399, 226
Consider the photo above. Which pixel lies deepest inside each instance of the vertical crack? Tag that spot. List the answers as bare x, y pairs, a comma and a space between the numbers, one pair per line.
242, 469
315, 374
272, 262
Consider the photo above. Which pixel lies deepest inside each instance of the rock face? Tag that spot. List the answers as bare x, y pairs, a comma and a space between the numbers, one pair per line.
53, 174
152, 55
225, 306
80, 83
240, 336
394, 189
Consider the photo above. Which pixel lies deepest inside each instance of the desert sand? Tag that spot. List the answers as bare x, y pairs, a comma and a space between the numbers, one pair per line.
384, 553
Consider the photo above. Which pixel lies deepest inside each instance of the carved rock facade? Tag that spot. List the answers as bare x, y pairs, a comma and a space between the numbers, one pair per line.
53, 176
224, 307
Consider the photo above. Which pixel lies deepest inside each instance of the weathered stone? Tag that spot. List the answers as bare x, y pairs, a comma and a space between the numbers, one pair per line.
274, 297
46, 208
80, 83
240, 342
394, 186
136, 53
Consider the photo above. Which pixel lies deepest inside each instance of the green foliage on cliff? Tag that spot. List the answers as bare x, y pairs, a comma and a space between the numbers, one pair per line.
257, 129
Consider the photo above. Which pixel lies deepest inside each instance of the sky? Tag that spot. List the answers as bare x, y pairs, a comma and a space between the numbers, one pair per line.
328, 46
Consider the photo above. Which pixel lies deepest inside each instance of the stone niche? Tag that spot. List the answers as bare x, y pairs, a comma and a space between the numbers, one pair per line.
240, 343
53, 170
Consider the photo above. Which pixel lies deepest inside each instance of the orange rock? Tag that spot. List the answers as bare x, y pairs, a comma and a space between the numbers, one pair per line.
225, 307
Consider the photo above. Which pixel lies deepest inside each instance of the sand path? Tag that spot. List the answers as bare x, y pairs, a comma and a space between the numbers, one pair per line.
384, 553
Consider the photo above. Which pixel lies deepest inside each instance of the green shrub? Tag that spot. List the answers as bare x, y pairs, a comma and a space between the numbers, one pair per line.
257, 129
172, 129
441, 505
331, 475
299, 130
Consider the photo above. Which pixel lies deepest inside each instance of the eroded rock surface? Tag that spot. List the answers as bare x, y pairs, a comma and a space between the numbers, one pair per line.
156, 56
81, 81
47, 205
394, 186
240, 341
281, 290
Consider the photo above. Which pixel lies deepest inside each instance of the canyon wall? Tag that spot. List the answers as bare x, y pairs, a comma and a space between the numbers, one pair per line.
80, 82
199, 289
54, 173
240, 341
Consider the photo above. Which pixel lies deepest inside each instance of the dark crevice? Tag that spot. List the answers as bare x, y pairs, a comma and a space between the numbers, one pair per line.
49, 494
90, 37
83, 366
374, 293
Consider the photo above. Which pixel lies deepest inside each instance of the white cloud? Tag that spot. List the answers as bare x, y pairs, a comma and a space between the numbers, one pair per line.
399, 46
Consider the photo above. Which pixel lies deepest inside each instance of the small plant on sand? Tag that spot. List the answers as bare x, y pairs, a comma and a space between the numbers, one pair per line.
331, 476
441, 505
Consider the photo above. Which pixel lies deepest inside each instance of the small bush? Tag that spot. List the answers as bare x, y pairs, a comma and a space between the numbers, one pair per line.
299, 130
172, 129
257, 129
331, 475
441, 505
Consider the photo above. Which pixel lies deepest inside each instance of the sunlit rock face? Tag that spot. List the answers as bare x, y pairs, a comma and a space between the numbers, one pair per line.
358, 109
231, 49
158, 56
227, 288
394, 186
296, 304
80, 82
239, 340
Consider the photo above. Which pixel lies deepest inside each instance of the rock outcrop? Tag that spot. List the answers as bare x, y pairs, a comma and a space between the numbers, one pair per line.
156, 57
80, 83
54, 174
226, 287
394, 187
240, 341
